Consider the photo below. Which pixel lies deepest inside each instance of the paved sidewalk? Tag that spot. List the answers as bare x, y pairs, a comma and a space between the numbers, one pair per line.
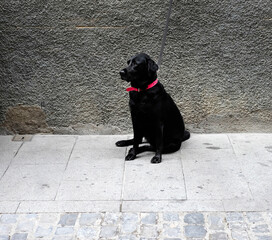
218, 186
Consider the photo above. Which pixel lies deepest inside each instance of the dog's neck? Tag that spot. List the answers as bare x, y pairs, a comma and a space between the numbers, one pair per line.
151, 85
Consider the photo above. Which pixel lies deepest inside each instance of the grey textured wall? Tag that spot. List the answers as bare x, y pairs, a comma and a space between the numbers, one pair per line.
60, 62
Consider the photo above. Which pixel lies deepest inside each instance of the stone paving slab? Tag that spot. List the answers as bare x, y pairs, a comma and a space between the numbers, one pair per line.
138, 225
211, 172
99, 151
8, 150
64, 206
44, 150
31, 182
207, 141
145, 181
162, 206
251, 146
9, 206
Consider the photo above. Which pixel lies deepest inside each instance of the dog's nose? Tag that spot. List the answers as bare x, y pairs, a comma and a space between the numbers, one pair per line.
122, 72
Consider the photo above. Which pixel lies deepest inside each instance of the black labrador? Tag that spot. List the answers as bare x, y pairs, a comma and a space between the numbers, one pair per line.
155, 116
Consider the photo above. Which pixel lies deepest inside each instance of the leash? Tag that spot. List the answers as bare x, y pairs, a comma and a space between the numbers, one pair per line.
165, 32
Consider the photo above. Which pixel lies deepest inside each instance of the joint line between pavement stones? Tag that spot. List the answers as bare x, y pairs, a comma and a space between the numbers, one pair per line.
11, 161
184, 180
76, 138
71, 152
237, 160
18, 150
123, 183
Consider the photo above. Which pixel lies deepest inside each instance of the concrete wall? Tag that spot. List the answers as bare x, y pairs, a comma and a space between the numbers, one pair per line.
60, 62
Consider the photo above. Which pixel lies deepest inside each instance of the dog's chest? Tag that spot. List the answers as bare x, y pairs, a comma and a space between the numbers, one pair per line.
144, 102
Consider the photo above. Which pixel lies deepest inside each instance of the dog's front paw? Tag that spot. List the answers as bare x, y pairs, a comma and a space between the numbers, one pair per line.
156, 159
124, 143
131, 155
121, 143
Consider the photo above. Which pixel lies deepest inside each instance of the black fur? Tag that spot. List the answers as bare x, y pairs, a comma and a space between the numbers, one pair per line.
154, 114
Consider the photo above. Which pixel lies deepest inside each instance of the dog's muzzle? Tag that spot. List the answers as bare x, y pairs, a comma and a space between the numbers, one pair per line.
123, 74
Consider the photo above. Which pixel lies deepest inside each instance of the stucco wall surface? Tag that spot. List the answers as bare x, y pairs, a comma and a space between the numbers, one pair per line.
60, 62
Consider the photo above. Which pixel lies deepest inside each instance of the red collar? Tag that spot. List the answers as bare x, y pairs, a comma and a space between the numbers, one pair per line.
139, 90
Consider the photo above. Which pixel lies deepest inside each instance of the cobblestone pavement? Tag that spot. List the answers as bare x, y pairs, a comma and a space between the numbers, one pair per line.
164, 225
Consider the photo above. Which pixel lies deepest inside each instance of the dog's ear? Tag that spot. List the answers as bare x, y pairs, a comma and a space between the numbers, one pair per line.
152, 66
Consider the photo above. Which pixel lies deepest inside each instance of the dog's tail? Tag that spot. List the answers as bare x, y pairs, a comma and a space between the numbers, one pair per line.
186, 135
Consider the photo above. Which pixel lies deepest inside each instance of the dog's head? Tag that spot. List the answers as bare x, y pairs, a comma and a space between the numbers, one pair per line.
141, 71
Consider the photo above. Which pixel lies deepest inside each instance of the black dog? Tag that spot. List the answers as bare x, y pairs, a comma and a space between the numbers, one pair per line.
154, 114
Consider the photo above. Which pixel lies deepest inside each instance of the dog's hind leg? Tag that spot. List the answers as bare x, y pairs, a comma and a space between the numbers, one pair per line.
186, 135
171, 147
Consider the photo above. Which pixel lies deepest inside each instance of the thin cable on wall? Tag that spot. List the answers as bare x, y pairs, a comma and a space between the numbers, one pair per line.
165, 32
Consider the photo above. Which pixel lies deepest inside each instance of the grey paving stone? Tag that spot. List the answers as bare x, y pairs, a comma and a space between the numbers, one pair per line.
89, 219
25, 226
195, 231
108, 231
216, 221
31, 216
149, 218
170, 216
111, 218
63, 238
218, 236
149, 231
263, 228
270, 215
234, 217
194, 218
129, 227
87, 233
43, 232
238, 226
8, 218
264, 237
52, 218
254, 217
64, 231
130, 217
237, 235
129, 222
148, 238
131, 237
172, 239
4, 237
19, 236
171, 231
68, 219
5, 229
